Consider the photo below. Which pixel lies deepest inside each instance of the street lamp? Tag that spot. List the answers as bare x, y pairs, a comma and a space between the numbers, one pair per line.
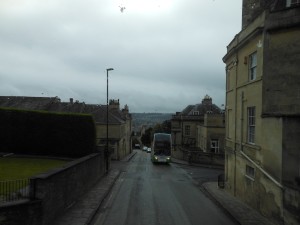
106, 149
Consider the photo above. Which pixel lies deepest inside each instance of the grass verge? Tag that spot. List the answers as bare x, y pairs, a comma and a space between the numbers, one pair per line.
20, 168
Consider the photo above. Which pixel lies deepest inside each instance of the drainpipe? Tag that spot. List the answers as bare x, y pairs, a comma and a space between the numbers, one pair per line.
242, 120
235, 135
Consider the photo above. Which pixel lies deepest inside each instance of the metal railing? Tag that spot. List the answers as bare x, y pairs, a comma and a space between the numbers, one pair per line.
13, 190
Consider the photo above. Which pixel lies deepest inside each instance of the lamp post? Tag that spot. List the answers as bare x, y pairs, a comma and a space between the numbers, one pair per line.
106, 149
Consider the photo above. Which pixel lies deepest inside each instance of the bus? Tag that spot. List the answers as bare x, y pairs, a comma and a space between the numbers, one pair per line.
161, 148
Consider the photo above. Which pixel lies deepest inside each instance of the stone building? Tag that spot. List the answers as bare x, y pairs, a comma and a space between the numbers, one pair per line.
262, 157
119, 120
211, 134
194, 129
119, 129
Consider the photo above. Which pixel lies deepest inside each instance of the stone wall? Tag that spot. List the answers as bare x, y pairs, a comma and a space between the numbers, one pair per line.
59, 189
52, 193
203, 158
23, 212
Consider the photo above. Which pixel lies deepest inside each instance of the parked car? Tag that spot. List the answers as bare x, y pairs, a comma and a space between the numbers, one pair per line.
149, 150
145, 148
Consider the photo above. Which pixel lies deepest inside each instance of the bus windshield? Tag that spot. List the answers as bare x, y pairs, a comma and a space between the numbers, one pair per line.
162, 144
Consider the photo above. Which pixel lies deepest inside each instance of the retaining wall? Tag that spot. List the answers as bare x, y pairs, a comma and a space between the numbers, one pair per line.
52, 193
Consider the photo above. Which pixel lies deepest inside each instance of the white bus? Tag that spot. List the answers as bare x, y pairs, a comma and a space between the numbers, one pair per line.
161, 148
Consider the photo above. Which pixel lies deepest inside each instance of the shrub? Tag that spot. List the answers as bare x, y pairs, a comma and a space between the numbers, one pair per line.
46, 133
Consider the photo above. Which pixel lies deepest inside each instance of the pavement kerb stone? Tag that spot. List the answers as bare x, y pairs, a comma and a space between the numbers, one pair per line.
210, 195
234, 207
112, 182
114, 177
93, 199
128, 158
240, 212
182, 162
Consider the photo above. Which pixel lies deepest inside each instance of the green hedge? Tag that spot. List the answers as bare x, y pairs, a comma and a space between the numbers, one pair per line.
45, 133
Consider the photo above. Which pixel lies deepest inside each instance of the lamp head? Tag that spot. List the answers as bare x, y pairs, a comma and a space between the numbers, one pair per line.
109, 69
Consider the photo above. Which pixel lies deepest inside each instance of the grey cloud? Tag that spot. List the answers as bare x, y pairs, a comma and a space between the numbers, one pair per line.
162, 61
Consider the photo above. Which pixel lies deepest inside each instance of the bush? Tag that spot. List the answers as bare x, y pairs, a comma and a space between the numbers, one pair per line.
45, 133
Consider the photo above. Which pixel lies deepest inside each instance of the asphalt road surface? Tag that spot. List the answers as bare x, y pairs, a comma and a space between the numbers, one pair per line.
147, 194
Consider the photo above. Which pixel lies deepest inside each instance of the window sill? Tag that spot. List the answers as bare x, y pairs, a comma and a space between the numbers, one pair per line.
250, 145
258, 79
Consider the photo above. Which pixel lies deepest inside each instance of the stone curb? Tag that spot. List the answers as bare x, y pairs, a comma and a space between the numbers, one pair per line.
195, 164
216, 201
238, 210
112, 182
116, 176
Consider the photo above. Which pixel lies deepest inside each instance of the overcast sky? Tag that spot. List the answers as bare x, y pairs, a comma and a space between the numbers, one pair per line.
166, 54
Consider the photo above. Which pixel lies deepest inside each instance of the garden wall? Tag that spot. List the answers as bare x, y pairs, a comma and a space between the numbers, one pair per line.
55, 191
23, 212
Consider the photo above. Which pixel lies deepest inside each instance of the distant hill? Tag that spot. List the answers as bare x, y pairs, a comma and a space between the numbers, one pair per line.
148, 119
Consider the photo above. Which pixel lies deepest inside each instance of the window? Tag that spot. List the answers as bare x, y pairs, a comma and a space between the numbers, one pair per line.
228, 80
230, 124
251, 124
290, 3
252, 66
214, 145
250, 172
187, 130
196, 113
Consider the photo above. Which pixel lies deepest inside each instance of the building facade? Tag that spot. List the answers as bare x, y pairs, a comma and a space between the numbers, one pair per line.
119, 130
195, 129
211, 134
262, 148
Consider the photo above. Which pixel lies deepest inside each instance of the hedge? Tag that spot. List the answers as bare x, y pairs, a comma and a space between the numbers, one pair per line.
46, 133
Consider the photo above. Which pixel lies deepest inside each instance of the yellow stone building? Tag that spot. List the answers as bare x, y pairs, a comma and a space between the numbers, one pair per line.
211, 133
262, 147
199, 129
119, 129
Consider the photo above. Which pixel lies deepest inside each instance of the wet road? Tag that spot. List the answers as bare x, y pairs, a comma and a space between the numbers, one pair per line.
147, 194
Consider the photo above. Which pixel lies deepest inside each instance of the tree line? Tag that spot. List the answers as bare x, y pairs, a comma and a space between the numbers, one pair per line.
164, 127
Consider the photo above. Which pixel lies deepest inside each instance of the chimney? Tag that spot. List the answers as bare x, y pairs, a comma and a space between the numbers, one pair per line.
253, 8
207, 100
125, 110
114, 104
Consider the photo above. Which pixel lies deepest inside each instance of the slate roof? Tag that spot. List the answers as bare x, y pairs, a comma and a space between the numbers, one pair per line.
30, 103
54, 104
202, 108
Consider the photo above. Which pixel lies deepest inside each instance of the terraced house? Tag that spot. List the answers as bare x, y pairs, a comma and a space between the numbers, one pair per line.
119, 120
262, 158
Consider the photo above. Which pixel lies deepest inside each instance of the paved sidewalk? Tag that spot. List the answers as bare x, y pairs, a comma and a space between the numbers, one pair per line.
241, 212
83, 211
